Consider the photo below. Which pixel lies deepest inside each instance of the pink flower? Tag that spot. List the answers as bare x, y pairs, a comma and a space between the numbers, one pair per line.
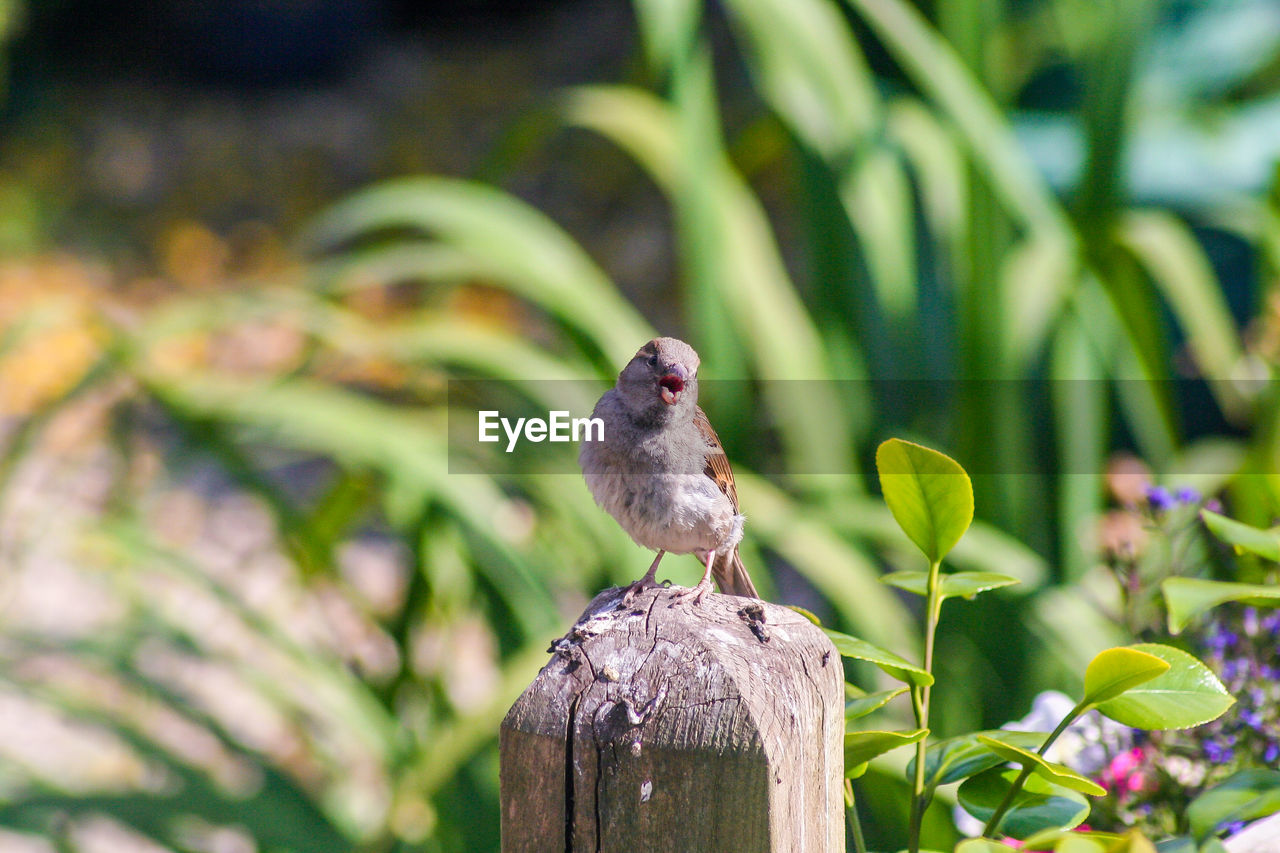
1124, 773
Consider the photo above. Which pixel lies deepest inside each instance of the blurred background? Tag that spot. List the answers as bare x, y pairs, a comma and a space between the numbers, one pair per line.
247, 600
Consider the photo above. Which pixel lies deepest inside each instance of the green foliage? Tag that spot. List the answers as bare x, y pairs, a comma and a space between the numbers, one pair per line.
862, 746
1115, 671
1027, 806
893, 664
1148, 685
1187, 694
957, 758
1247, 795
951, 585
929, 494
1057, 774
1187, 598
1244, 537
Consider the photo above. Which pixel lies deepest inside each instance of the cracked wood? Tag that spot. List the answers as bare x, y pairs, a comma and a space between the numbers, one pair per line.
663, 726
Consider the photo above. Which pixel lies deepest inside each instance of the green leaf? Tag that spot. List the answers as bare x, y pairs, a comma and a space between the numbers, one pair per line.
861, 747
960, 757
1058, 774
808, 614
1187, 695
860, 706
1186, 598
523, 251
952, 585
807, 65
1114, 671
1180, 269
1040, 805
928, 493
900, 668
982, 845
1245, 795
1047, 839
1072, 844
1244, 537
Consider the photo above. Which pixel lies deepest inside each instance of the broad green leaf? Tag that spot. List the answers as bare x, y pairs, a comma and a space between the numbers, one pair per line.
960, 757
1071, 844
860, 706
1177, 844
1132, 841
928, 493
1040, 805
1114, 671
1187, 695
861, 747
1186, 598
1047, 839
900, 668
982, 845
1244, 537
952, 585
1058, 774
1245, 795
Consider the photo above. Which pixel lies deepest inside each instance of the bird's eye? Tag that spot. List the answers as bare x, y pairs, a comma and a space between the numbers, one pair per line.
653, 361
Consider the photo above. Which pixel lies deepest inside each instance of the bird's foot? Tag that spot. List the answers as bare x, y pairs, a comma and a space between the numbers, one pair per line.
645, 583
696, 592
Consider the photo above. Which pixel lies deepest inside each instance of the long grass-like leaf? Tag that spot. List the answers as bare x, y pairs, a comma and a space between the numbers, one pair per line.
526, 252
1179, 268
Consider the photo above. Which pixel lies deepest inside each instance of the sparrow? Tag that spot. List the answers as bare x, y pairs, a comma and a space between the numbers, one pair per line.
661, 472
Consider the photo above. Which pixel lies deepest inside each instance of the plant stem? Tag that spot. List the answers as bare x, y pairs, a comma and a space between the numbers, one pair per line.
994, 823
920, 704
855, 825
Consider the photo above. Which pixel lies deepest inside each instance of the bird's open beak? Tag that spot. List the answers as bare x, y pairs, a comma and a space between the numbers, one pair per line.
672, 383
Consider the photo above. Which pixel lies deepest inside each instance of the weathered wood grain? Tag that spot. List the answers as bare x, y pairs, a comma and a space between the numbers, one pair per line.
664, 726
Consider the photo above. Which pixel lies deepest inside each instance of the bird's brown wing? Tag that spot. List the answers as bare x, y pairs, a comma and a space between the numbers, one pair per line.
717, 463
731, 576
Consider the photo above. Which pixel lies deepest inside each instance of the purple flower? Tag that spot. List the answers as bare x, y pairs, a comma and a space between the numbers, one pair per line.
1220, 637
1271, 753
1251, 718
1159, 498
1186, 495
1218, 752
1271, 622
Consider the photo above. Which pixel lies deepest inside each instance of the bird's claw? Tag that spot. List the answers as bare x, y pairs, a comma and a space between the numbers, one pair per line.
640, 586
697, 592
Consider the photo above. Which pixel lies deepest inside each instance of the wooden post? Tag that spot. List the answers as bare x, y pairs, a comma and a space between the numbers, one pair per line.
664, 726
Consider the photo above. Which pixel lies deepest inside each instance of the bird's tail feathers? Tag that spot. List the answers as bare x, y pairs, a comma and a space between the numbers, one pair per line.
731, 576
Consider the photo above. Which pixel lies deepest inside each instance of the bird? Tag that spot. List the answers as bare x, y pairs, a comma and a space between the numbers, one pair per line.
659, 469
